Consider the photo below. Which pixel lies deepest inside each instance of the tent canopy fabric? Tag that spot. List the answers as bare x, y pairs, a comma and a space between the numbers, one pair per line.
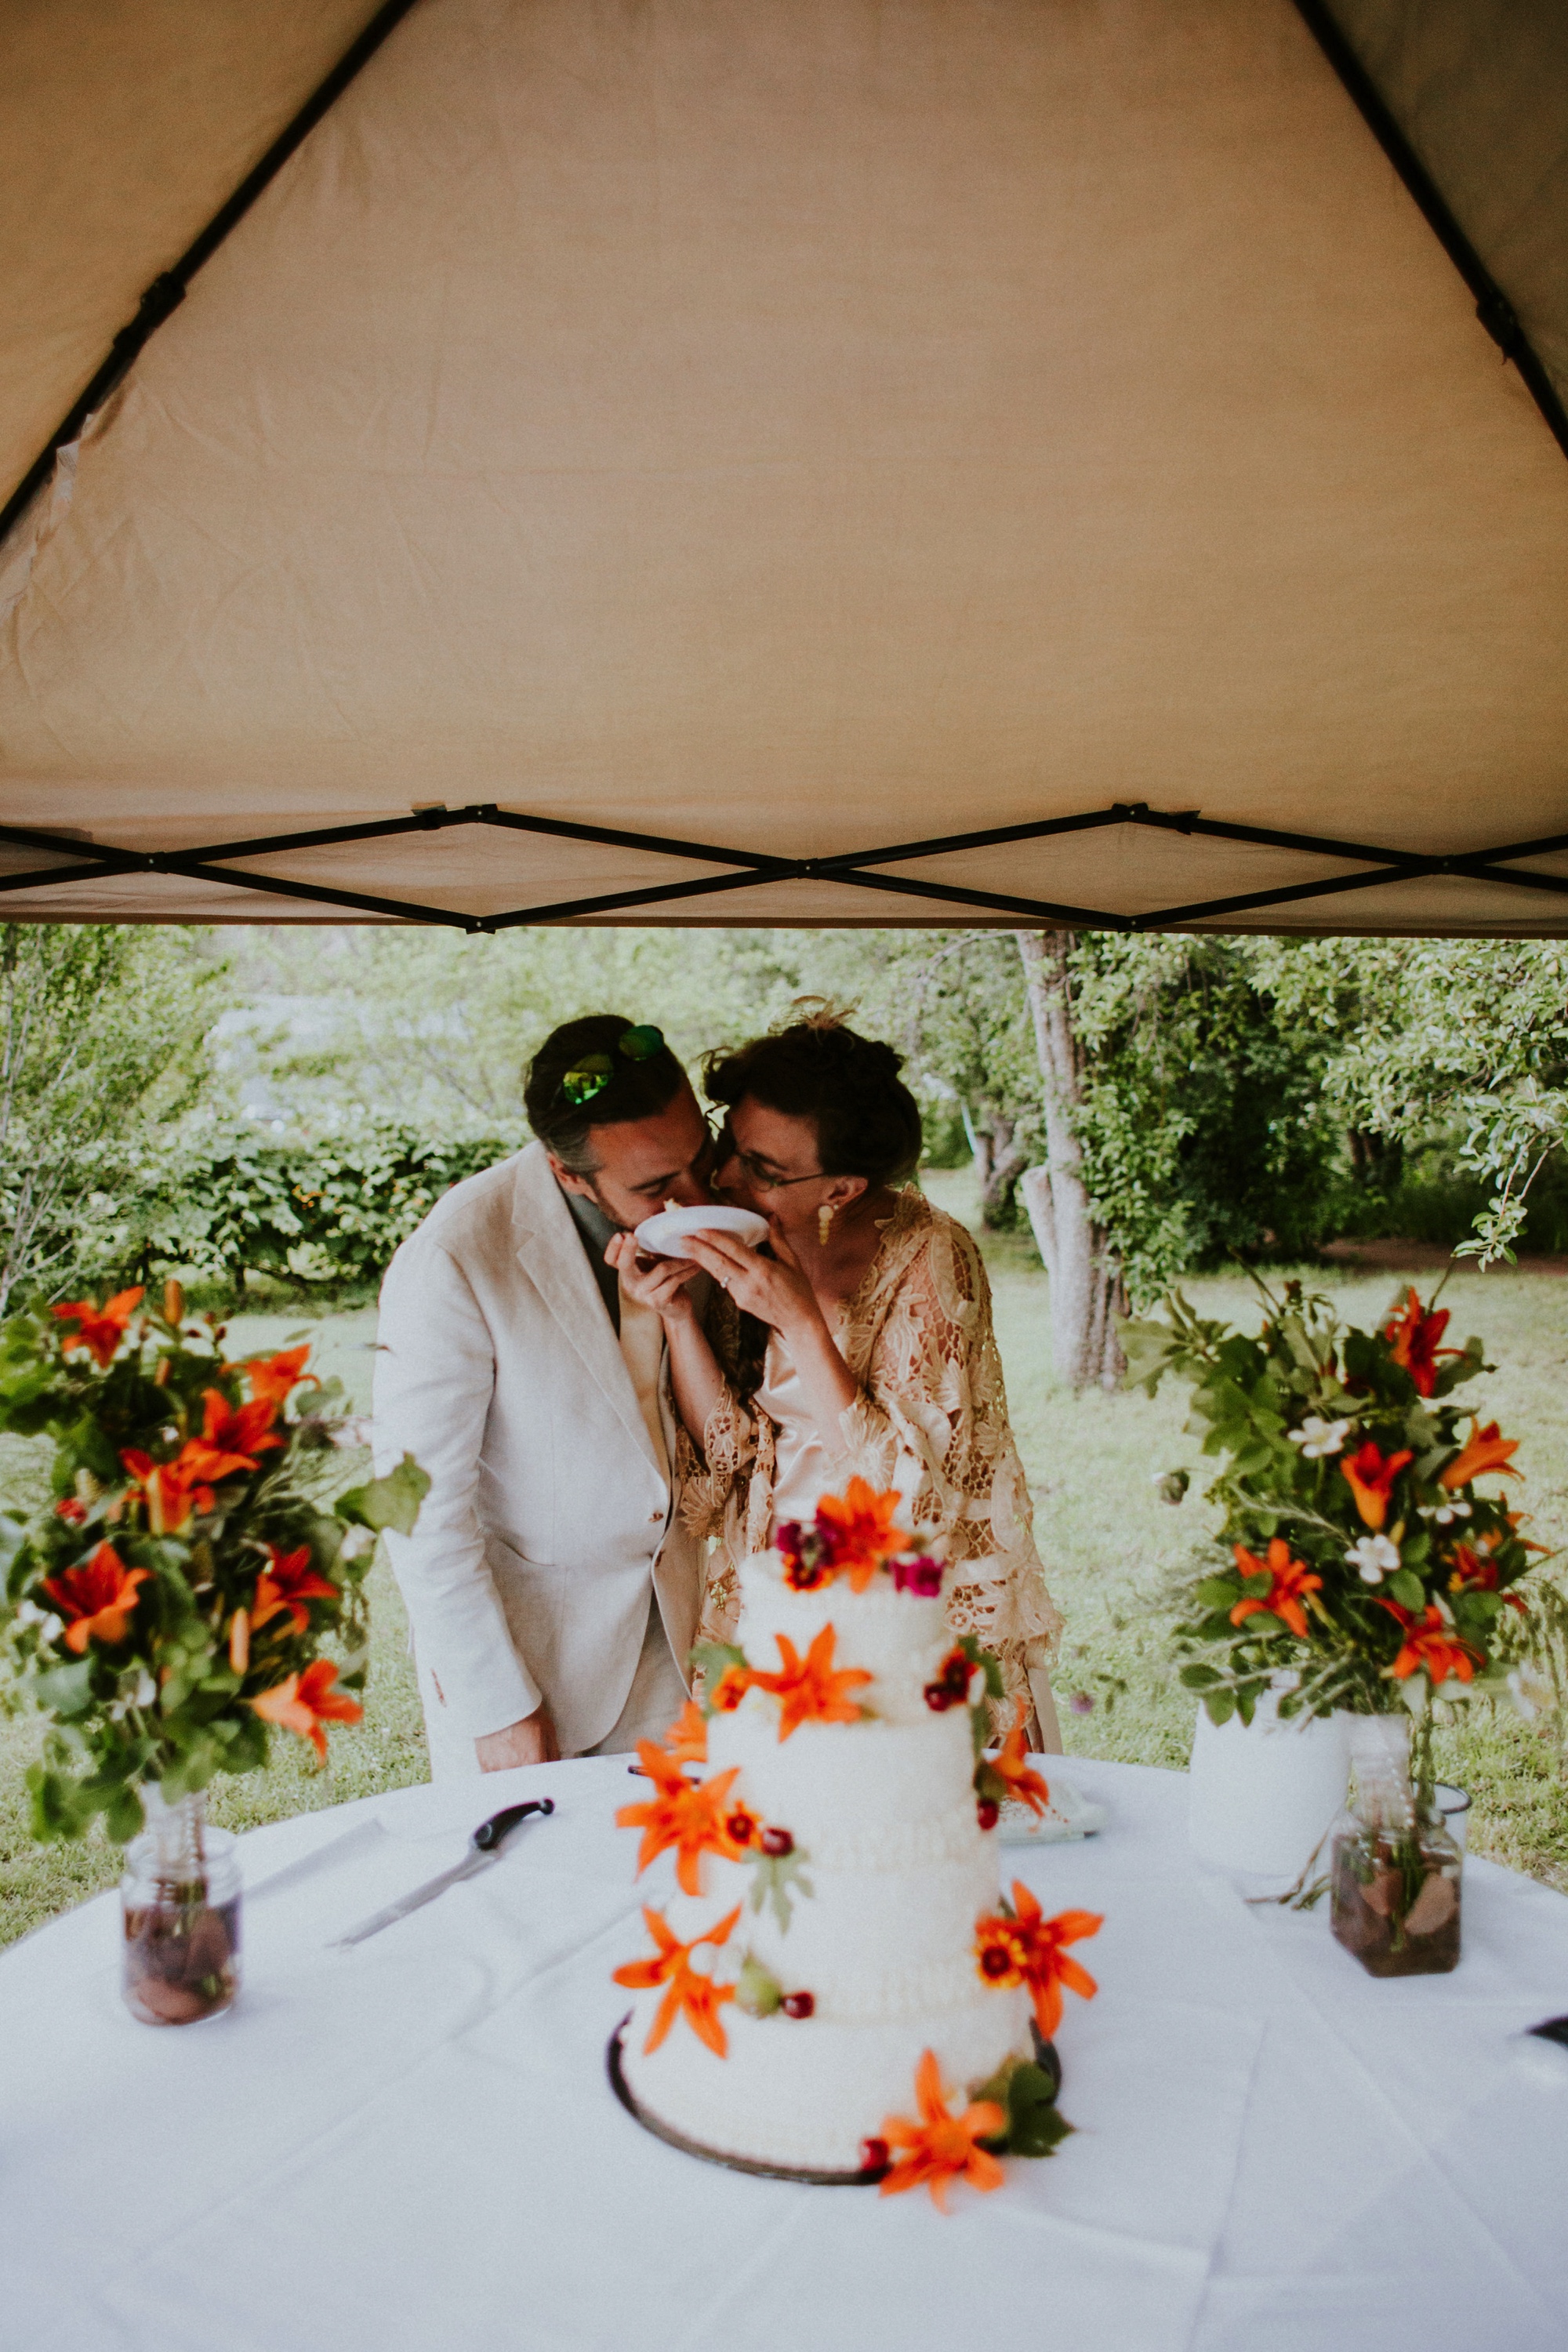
790, 461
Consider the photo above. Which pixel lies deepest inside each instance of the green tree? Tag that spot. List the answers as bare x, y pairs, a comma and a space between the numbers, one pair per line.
102, 1031
1466, 1037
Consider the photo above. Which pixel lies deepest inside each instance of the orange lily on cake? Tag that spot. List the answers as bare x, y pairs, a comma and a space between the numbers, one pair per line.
938, 2147
96, 1599
1023, 1946
688, 1993
1431, 1647
808, 1689
1485, 1449
1290, 1582
306, 1703
687, 1738
691, 1819
1412, 1336
1012, 1767
1371, 1475
99, 1330
857, 1531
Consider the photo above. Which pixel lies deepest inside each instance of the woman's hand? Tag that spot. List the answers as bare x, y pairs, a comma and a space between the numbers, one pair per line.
656, 1282
772, 1288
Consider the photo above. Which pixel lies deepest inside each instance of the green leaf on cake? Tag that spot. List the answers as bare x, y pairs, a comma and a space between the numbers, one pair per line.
757, 1991
777, 1879
1028, 2096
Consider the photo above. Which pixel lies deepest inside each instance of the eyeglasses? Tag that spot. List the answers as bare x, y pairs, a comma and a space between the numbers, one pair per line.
757, 1170
594, 1072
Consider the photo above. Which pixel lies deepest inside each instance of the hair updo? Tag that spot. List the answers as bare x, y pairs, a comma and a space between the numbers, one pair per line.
867, 1123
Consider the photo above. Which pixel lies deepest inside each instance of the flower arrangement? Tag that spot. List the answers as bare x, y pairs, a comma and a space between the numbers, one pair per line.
170, 1606
1362, 1552
853, 1535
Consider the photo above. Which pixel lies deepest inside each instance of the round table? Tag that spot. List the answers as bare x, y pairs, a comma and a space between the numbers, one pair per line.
414, 2143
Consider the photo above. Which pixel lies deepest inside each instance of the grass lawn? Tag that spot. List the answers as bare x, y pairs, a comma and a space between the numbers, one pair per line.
1111, 1547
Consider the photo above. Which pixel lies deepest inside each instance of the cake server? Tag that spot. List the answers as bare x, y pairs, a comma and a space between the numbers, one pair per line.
484, 1848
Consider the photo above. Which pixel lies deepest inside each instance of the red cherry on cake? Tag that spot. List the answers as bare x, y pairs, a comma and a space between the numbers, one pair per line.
875, 2156
798, 2004
777, 1842
986, 1814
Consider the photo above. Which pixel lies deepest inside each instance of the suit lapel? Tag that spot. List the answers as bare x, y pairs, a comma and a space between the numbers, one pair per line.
555, 1262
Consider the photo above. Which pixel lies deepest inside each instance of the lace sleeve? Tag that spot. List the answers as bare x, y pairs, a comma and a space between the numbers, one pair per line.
933, 1421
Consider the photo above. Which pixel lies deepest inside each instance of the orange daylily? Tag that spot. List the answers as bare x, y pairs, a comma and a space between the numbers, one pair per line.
1431, 1648
273, 1378
173, 1490
1474, 1574
1372, 1478
96, 1600
1012, 1766
690, 1820
687, 1738
1027, 1949
1291, 1581
943, 2147
286, 1586
304, 1703
690, 1994
1412, 1336
857, 1531
99, 1330
729, 1691
1484, 1449
807, 1689
237, 1431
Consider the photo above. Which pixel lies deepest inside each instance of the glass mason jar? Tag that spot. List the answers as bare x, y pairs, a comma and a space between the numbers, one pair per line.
1395, 1870
179, 1901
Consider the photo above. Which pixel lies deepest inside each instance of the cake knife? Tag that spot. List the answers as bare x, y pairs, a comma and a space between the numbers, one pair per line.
484, 1848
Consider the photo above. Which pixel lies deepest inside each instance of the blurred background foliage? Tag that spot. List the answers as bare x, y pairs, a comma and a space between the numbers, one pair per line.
281, 1107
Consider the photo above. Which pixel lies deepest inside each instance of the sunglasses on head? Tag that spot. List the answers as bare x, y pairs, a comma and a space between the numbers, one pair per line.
592, 1074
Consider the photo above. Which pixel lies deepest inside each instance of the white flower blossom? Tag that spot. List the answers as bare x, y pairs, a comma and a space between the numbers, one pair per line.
1374, 1559
1317, 1436
1446, 1513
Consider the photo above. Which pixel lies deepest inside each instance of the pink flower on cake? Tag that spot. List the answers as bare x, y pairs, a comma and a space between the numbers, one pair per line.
940, 2147
687, 1993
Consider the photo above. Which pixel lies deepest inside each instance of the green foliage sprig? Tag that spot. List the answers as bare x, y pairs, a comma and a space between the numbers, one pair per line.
171, 1604
1363, 1556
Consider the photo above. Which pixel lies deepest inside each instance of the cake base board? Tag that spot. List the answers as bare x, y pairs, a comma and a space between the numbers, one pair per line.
672, 2138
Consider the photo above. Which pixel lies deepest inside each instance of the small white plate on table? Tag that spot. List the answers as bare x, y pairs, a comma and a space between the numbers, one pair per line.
666, 1235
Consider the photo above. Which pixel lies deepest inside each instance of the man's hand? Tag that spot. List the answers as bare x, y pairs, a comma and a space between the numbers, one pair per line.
531, 1741
656, 1282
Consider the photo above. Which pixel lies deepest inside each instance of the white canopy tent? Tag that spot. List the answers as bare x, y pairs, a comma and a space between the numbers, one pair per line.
787, 461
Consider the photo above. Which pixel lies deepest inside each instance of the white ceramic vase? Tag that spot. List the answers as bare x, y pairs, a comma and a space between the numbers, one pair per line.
1261, 1795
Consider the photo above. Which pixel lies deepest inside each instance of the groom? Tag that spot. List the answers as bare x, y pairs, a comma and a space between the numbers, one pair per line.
552, 1594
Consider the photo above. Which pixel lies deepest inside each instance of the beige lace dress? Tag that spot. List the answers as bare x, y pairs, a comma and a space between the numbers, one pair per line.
931, 1420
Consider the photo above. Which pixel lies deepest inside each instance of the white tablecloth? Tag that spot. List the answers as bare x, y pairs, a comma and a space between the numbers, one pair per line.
414, 2144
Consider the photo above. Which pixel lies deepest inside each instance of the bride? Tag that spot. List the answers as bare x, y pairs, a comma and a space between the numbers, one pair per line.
858, 1340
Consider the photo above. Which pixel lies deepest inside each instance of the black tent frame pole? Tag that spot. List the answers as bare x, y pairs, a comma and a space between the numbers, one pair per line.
168, 289
1493, 309
747, 869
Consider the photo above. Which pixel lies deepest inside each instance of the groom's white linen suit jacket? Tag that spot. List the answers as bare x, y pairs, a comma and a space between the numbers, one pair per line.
549, 1512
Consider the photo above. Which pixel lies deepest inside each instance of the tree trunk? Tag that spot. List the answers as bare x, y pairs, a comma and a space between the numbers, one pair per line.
1086, 1280
1001, 1160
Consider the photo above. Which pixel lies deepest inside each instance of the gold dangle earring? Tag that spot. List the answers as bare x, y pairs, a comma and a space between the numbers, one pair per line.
824, 1217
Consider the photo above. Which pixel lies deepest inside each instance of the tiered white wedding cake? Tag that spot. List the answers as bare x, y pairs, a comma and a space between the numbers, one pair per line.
840, 1913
